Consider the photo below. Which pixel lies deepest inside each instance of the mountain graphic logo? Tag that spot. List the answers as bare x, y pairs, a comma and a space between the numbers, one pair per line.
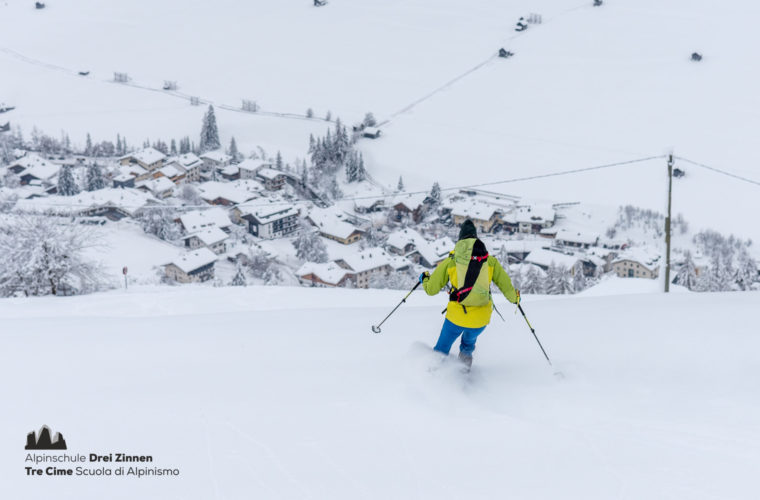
43, 441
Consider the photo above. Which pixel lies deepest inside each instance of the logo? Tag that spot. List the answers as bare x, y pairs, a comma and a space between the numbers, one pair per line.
43, 440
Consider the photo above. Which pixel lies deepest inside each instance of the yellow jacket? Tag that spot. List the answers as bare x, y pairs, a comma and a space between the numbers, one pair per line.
472, 317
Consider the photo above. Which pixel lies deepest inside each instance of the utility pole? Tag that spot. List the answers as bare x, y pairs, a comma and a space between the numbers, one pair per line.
667, 224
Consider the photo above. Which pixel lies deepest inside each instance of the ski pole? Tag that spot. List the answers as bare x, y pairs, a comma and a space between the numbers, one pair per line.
376, 328
497, 312
558, 373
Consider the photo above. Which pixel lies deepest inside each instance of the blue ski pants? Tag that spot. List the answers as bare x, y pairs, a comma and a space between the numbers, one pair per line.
450, 332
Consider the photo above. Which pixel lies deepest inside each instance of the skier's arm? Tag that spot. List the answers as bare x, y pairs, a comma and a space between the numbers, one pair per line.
503, 281
438, 279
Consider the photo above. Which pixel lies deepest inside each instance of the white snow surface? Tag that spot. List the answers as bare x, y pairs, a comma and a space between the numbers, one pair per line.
285, 393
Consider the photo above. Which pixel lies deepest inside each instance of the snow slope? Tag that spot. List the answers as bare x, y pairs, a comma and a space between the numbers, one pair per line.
588, 86
285, 393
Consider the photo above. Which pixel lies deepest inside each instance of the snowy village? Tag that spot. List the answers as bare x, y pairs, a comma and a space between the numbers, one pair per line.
227, 219
379, 249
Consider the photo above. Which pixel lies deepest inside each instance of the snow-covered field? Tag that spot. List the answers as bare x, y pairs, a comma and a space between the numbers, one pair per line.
588, 86
285, 393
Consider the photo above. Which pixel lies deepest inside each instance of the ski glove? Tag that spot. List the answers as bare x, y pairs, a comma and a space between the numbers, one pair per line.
424, 276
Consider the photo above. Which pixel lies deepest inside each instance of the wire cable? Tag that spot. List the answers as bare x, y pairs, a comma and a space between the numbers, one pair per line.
722, 172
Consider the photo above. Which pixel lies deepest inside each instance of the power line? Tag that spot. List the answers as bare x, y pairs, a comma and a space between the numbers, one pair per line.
722, 172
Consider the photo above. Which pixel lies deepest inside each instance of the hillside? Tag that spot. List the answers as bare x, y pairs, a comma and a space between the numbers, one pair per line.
285, 393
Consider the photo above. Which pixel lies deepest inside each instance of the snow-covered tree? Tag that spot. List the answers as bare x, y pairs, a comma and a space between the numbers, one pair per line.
278, 161
209, 132
184, 145
67, 184
579, 280
369, 120
94, 178
159, 221
88, 145
435, 194
533, 281
395, 280
309, 113
189, 194
687, 273
328, 116
746, 271
310, 247
559, 281
239, 278
400, 186
233, 151
44, 256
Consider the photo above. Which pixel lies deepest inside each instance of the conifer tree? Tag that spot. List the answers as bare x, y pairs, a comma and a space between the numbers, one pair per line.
209, 132
173, 148
400, 186
88, 145
94, 179
278, 161
67, 185
239, 278
687, 273
435, 194
233, 152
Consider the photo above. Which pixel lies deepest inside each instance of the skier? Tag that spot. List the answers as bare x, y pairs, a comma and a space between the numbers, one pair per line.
470, 270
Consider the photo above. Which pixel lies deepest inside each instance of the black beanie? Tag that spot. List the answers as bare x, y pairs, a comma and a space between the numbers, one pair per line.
467, 230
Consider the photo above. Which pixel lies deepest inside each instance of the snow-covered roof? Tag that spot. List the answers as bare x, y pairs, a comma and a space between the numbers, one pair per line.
37, 166
129, 200
368, 259
147, 156
123, 178
581, 237
133, 170
477, 210
410, 201
515, 246
267, 214
330, 222
371, 130
329, 272
210, 235
434, 251
231, 170
544, 257
29, 191
401, 238
189, 160
237, 192
252, 165
218, 156
157, 185
523, 269
199, 219
534, 214
196, 259
268, 173
172, 170
644, 256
